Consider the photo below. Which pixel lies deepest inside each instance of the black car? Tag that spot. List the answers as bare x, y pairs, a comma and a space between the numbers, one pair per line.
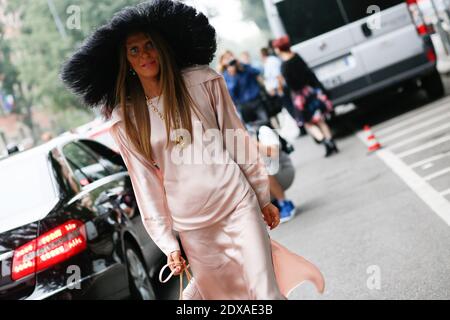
70, 227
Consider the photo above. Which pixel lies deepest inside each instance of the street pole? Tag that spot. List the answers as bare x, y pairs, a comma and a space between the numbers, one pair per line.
59, 25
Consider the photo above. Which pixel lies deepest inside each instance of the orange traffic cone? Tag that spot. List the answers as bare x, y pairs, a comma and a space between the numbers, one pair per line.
372, 142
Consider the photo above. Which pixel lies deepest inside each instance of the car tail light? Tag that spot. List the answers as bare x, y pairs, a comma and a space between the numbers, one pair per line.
49, 249
417, 17
431, 55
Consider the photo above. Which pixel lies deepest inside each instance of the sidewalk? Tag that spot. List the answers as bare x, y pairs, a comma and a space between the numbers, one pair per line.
354, 214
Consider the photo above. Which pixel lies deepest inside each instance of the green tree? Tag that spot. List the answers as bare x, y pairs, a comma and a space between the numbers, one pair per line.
46, 39
9, 79
8, 72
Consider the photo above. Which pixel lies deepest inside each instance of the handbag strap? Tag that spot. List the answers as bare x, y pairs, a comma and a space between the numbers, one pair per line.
185, 270
188, 276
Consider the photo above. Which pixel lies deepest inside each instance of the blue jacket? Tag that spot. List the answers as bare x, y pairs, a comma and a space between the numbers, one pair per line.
243, 86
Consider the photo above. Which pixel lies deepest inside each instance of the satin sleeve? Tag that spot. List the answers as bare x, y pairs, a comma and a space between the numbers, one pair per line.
149, 193
227, 118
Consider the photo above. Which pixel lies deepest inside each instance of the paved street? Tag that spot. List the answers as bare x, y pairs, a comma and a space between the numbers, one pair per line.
362, 215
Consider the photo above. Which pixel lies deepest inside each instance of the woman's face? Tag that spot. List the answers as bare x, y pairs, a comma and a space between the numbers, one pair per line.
142, 55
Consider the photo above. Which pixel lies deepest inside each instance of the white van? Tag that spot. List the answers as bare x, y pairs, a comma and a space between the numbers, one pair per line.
358, 47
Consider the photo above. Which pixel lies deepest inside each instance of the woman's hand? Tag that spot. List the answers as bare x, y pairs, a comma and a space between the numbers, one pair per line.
176, 262
271, 215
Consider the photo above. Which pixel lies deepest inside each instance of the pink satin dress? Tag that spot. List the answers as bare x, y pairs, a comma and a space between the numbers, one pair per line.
211, 192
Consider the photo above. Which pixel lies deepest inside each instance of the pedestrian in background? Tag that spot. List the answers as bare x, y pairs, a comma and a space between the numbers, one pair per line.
246, 58
308, 94
224, 58
243, 83
275, 84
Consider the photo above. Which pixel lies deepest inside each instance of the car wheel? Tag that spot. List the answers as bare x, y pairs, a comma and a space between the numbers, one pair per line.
140, 284
433, 85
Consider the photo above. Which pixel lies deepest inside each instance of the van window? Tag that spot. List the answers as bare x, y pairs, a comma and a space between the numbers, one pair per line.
356, 10
306, 19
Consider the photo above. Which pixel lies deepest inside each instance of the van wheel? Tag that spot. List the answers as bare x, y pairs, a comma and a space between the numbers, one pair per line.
433, 85
140, 285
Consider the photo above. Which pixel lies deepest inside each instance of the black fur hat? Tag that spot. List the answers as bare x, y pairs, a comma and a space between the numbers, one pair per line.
91, 72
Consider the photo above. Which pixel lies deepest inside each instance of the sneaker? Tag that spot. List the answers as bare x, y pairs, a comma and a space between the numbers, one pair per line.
287, 210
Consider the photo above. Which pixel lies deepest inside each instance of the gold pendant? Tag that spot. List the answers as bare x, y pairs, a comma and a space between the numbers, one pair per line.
179, 141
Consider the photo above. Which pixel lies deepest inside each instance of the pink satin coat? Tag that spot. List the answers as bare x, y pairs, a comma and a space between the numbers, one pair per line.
183, 192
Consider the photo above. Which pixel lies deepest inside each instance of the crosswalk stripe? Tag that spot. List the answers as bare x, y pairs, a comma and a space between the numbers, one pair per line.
423, 190
420, 136
430, 159
401, 124
424, 146
437, 174
410, 129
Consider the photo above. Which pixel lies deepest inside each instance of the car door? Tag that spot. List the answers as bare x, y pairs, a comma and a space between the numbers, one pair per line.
102, 185
387, 38
152, 255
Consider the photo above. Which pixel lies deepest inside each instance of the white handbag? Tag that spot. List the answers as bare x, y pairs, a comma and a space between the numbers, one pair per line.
289, 129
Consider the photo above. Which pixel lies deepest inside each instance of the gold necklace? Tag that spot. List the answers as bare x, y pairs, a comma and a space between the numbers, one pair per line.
179, 141
151, 105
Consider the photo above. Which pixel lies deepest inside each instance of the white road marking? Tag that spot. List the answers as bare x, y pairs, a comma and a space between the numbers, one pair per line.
423, 190
411, 129
436, 174
424, 146
420, 136
433, 110
430, 159
426, 166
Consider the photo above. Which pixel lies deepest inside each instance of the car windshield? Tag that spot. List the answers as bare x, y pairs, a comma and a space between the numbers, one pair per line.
26, 187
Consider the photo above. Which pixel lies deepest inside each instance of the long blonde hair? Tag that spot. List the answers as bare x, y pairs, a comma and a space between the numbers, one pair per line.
177, 101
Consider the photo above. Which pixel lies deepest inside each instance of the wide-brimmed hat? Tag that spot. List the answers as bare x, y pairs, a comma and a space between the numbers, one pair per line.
91, 72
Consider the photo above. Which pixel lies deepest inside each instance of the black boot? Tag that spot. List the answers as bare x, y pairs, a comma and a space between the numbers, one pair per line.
334, 146
328, 148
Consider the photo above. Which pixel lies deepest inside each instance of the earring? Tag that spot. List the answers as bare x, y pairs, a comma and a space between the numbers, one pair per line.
132, 71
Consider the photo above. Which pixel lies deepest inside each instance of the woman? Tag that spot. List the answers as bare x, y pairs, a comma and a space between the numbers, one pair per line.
308, 94
148, 70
